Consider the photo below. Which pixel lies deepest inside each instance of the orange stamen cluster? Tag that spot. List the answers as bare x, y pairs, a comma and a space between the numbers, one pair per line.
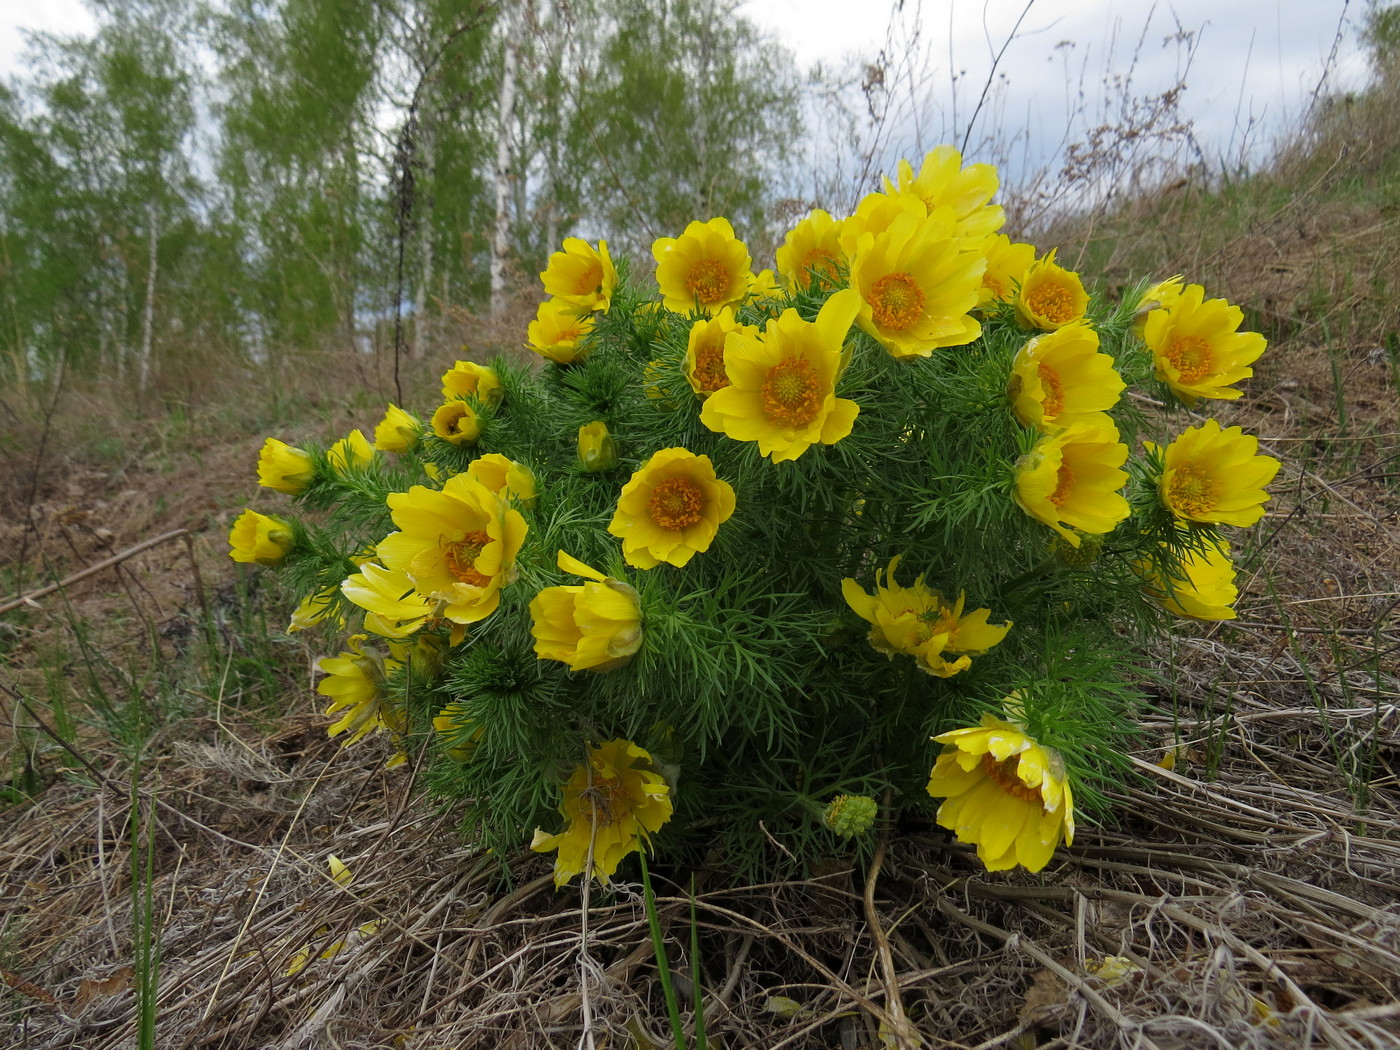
1064, 483
709, 368
708, 281
1054, 302
1003, 774
896, 301
462, 555
1054, 399
1191, 357
791, 394
1192, 492
676, 503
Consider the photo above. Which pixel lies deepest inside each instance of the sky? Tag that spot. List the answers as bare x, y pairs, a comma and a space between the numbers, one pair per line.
1252, 68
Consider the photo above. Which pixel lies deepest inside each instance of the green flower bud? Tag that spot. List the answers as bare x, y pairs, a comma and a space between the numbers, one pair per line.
850, 815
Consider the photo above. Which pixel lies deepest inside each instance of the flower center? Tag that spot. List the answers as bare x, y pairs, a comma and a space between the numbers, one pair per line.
590, 281
709, 368
897, 302
708, 281
1191, 357
791, 394
995, 285
1003, 774
817, 264
1052, 399
462, 555
605, 801
1052, 302
676, 502
1064, 479
1191, 493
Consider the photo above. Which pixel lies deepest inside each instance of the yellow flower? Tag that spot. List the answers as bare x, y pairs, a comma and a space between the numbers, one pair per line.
354, 681
876, 213
917, 621
314, 608
1213, 476
393, 606
558, 330
1050, 296
597, 451
259, 539
811, 252
469, 379
1071, 478
611, 803
1007, 263
505, 477
351, 453
782, 390
1203, 588
457, 422
457, 733
1005, 793
763, 286
1197, 347
398, 431
917, 287
671, 509
704, 354
582, 275
284, 467
705, 269
593, 627
943, 182
457, 546
1061, 378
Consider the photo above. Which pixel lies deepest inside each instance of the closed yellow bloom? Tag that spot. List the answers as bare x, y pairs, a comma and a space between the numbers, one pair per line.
943, 182
1161, 296
917, 286
918, 622
393, 606
671, 509
1203, 588
314, 609
597, 450
582, 275
704, 354
285, 467
1213, 476
1004, 793
811, 252
877, 212
457, 422
469, 379
354, 681
782, 390
351, 453
1007, 264
398, 431
558, 330
1061, 378
1071, 478
704, 269
611, 803
593, 627
1050, 296
259, 539
505, 477
457, 546
1197, 347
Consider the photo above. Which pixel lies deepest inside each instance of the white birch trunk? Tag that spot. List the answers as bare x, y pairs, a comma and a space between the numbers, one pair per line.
500, 239
427, 150
143, 363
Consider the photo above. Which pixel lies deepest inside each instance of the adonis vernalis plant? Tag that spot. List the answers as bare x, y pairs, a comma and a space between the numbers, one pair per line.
738, 555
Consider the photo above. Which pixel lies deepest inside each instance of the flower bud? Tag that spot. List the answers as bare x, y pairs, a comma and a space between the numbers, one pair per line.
850, 815
597, 451
284, 467
398, 431
259, 539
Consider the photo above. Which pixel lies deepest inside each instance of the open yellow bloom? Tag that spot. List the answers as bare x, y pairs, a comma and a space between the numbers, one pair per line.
352, 452
354, 681
782, 389
942, 182
1197, 347
398, 431
285, 467
918, 622
1050, 296
671, 509
1007, 264
1061, 378
393, 606
611, 803
704, 269
457, 546
917, 286
259, 539
469, 379
457, 422
582, 275
558, 330
1214, 476
597, 449
1004, 793
1071, 478
1203, 589
593, 627
704, 354
505, 477
811, 252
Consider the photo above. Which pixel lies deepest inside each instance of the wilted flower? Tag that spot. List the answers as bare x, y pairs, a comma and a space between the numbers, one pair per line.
1203, 588
354, 681
593, 627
